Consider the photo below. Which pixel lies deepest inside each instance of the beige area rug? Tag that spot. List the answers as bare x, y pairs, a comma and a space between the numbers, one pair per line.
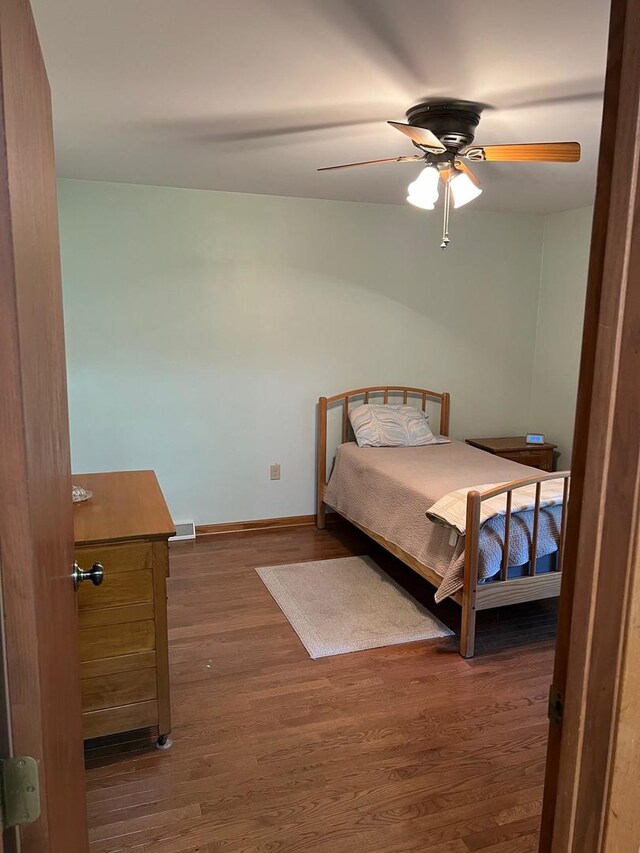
346, 605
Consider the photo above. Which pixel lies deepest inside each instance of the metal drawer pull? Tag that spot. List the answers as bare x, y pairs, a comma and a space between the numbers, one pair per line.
95, 574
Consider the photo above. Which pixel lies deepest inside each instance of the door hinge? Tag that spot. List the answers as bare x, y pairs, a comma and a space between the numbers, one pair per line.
556, 706
19, 791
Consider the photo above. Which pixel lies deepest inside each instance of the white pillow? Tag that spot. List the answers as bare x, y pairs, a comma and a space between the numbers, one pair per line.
376, 425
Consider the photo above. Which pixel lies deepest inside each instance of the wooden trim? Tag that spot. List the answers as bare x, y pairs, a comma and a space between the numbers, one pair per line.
601, 540
622, 827
203, 530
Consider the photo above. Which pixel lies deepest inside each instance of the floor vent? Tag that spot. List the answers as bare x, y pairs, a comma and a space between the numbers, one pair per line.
184, 530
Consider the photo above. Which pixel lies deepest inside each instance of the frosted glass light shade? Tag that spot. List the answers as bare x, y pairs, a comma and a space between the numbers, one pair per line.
463, 189
423, 192
416, 201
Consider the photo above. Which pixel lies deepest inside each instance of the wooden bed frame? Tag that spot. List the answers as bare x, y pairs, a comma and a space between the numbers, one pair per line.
473, 596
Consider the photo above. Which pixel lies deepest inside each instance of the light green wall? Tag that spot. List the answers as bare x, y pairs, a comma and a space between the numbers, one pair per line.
563, 282
202, 327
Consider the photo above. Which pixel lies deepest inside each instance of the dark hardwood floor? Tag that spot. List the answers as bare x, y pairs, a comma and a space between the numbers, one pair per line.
405, 748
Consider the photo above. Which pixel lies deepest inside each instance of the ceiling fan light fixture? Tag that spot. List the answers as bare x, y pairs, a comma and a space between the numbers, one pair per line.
422, 203
423, 192
463, 189
444, 133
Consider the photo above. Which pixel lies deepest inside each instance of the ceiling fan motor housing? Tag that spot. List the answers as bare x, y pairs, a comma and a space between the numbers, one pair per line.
453, 122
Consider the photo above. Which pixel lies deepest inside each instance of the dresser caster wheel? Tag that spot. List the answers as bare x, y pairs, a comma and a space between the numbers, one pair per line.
164, 742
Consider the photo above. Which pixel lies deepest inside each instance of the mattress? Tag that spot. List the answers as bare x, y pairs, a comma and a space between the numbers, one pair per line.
389, 489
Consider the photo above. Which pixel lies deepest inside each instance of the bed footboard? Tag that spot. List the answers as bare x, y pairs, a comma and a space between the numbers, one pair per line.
506, 590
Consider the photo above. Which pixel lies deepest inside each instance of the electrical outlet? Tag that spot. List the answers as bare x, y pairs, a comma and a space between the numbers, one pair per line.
274, 471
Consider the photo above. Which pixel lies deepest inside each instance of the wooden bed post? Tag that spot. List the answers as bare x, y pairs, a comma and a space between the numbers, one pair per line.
471, 552
321, 463
445, 405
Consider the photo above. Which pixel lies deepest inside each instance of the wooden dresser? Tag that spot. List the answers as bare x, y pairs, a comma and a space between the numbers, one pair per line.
125, 527
516, 449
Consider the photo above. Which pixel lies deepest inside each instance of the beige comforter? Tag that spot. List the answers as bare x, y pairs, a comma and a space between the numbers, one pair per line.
390, 489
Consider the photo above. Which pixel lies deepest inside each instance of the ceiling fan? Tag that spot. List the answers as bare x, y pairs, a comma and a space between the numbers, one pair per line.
444, 131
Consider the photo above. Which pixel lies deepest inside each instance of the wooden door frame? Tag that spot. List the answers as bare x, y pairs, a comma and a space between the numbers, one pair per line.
9, 838
599, 604
39, 625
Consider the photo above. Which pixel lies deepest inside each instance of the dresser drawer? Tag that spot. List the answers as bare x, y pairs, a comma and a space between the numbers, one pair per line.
122, 663
120, 639
93, 617
122, 688
117, 589
123, 557
110, 721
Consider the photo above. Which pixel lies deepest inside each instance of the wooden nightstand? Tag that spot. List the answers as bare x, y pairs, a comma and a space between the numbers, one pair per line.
516, 449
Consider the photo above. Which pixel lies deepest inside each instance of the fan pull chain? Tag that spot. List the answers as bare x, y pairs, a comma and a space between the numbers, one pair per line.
445, 223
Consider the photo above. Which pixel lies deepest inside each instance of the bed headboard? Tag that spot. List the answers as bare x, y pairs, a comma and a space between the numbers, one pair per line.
419, 397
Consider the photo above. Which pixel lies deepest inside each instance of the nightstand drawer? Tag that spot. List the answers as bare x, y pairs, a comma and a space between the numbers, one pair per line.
534, 458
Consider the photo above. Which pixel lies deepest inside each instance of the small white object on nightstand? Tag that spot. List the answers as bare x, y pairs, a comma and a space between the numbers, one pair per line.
535, 438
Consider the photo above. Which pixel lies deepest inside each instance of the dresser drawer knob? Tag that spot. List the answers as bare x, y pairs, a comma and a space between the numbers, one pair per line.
95, 575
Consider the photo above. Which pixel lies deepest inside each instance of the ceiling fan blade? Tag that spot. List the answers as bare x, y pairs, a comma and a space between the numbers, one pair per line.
419, 135
460, 164
446, 173
411, 158
539, 152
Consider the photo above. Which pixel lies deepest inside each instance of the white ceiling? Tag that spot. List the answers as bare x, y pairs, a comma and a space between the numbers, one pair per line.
199, 93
